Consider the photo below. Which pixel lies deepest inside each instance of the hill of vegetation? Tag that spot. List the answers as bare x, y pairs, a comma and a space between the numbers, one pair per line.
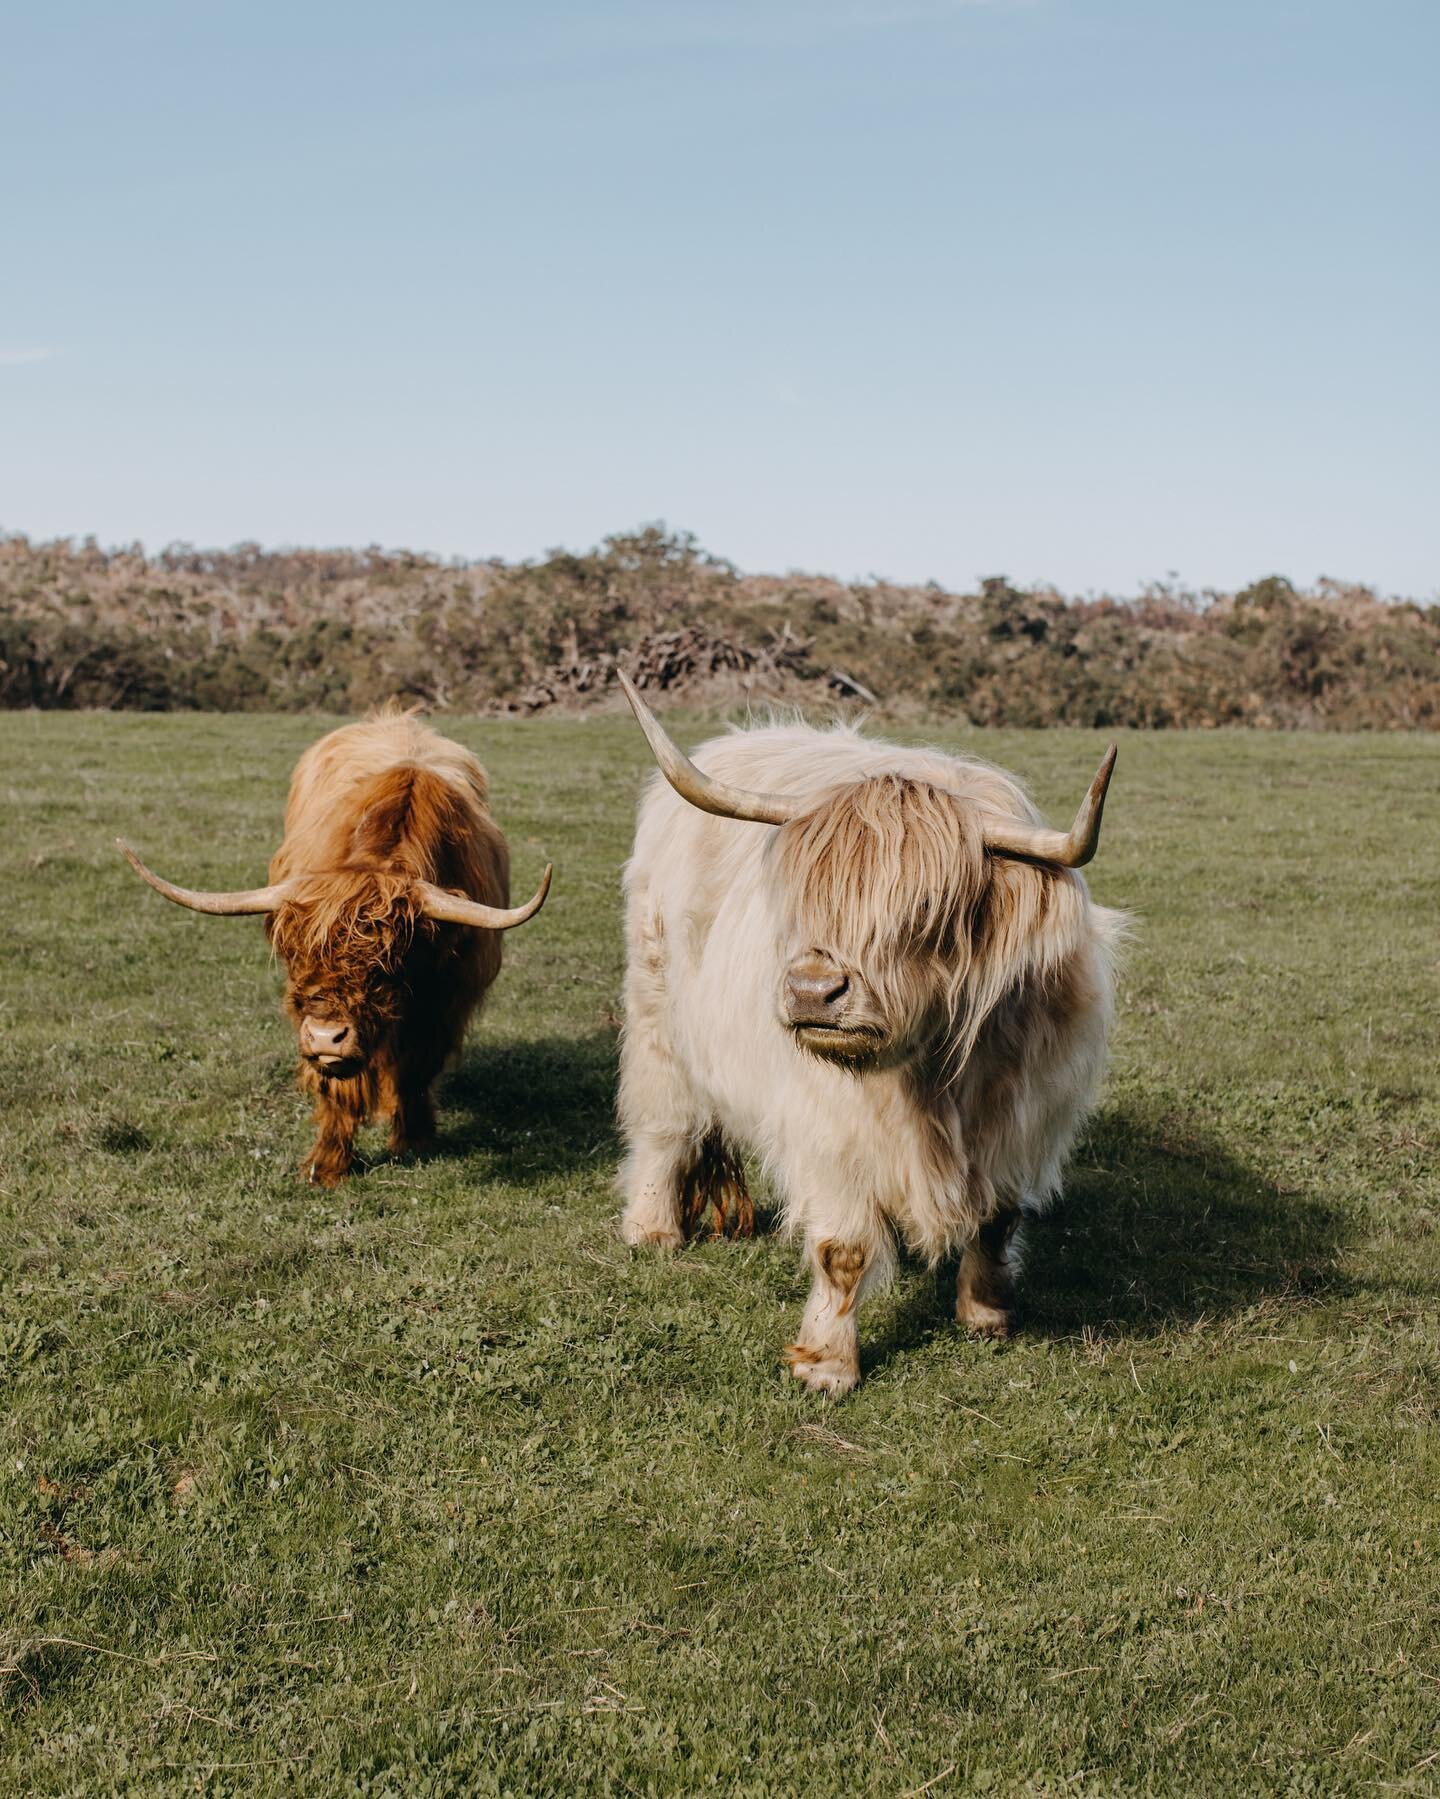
248, 629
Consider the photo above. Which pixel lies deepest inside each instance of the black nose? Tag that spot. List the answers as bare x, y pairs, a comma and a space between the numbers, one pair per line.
815, 991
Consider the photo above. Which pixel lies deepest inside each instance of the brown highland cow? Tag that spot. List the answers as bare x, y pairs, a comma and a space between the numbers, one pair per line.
386, 902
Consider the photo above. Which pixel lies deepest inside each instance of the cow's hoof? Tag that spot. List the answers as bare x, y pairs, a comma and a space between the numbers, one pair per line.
412, 1147
822, 1373
994, 1322
644, 1233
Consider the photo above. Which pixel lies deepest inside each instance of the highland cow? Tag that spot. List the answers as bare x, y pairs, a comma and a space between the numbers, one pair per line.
877, 970
386, 902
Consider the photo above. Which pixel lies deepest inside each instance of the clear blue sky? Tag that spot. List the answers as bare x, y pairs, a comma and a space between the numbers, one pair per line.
1076, 290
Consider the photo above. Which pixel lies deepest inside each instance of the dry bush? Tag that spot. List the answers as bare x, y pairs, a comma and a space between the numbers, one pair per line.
339, 630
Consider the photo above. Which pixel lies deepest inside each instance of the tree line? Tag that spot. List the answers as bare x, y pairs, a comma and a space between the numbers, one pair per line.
248, 629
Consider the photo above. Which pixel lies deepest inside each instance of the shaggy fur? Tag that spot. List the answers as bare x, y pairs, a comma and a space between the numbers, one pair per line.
373, 808
983, 987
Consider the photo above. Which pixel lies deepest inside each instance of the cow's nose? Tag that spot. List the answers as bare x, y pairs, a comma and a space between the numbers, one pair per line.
815, 991
324, 1037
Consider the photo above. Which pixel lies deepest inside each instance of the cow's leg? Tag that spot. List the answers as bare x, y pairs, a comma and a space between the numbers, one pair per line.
664, 1134
340, 1109
664, 1122
826, 1354
985, 1288
714, 1186
652, 1178
403, 1090
412, 1122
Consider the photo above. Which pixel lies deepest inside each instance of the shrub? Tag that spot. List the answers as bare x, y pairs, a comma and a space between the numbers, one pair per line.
339, 630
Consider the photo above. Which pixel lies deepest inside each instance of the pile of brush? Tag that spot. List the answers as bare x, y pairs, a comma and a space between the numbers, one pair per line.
691, 663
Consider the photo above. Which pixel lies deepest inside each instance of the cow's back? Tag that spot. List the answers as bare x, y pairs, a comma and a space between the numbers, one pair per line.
799, 759
333, 774
688, 862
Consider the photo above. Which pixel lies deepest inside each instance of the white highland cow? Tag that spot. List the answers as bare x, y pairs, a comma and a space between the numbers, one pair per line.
877, 970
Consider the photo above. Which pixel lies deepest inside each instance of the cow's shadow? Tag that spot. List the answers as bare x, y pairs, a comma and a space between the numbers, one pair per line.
1159, 1227
538, 1106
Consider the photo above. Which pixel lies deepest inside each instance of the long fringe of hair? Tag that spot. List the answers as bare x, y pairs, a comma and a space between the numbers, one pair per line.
893, 874
356, 913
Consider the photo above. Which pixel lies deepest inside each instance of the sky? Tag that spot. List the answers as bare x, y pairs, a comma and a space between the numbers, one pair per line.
1093, 292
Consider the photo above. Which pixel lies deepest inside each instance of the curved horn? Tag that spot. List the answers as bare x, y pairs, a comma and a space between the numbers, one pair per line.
246, 900
691, 784
1065, 849
453, 908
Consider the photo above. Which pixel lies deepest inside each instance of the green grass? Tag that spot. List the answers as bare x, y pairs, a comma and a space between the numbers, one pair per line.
429, 1485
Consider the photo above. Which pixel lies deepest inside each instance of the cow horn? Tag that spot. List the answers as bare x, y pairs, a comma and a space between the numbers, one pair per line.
454, 908
1065, 849
691, 784
247, 900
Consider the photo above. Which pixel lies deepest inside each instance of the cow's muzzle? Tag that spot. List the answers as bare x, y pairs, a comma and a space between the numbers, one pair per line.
816, 993
331, 1044
820, 1009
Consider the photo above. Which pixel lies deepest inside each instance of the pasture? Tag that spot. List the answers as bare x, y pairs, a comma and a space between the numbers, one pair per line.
427, 1484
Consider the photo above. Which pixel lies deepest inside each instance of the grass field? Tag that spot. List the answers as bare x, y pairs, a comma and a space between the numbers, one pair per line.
428, 1485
